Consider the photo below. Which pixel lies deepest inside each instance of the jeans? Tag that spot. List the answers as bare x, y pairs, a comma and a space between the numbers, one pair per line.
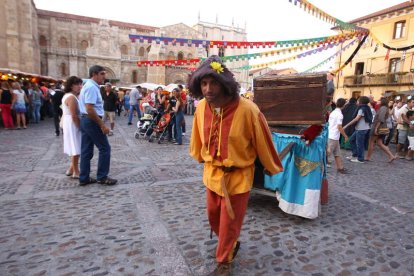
57, 114
179, 117
131, 112
36, 111
92, 135
357, 141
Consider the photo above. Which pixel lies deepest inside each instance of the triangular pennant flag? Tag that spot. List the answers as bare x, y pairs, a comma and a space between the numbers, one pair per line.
387, 55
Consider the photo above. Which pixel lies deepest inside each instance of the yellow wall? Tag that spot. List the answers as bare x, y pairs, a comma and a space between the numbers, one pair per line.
374, 62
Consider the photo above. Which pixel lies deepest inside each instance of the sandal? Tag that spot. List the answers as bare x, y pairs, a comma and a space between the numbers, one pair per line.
107, 181
343, 171
392, 159
89, 181
75, 176
68, 172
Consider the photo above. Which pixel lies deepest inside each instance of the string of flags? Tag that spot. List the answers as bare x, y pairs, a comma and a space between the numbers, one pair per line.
331, 40
335, 40
332, 43
315, 11
322, 43
401, 49
345, 48
170, 62
311, 52
228, 44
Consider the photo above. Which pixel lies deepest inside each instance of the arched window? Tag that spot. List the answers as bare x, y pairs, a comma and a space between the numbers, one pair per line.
43, 68
221, 52
124, 50
42, 41
134, 78
63, 72
84, 45
180, 56
63, 42
189, 56
171, 55
141, 52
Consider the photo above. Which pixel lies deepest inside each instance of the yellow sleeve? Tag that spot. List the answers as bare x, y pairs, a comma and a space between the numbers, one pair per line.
196, 142
263, 143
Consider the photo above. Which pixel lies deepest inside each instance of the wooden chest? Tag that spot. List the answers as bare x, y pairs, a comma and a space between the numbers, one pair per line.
296, 99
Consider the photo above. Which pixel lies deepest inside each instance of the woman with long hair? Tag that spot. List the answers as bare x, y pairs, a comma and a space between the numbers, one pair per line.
19, 105
179, 116
377, 137
71, 124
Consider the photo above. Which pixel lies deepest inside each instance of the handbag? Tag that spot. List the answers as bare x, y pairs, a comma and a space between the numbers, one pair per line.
383, 131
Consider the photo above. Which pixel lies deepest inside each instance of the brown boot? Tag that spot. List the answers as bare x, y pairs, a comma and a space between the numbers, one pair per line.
222, 269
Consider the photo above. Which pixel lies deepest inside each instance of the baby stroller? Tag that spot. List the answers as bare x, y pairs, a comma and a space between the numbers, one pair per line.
147, 122
160, 131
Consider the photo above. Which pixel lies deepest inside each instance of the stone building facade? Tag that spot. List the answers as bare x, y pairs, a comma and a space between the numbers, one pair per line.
60, 45
375, 71
19, 48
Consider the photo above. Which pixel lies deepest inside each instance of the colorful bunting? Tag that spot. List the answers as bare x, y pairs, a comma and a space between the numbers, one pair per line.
328, 18
333, 56
230, 44
171, 62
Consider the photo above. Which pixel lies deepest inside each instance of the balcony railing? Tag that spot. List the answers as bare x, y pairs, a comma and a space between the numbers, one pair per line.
132, 58
390, 79
63, 51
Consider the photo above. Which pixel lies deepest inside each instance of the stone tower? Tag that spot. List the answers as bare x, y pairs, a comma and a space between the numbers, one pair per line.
19, 47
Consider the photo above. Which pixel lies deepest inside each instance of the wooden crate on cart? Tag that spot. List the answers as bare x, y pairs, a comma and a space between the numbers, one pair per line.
290, 104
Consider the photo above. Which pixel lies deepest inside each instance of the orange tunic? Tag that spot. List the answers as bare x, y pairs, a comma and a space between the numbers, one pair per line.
244, 136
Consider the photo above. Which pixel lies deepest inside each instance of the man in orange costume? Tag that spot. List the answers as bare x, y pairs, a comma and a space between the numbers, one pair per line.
229, 132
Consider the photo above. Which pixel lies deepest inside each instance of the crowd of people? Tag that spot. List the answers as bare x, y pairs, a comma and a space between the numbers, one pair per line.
22, 103
362, 124
80, 110
229, 132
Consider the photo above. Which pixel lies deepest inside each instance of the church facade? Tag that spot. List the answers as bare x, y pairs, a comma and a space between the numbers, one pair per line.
60, 45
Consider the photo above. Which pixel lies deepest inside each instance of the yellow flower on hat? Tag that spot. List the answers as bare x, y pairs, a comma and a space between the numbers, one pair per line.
216, 66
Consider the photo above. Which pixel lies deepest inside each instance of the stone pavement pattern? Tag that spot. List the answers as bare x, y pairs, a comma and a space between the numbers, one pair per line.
154, 222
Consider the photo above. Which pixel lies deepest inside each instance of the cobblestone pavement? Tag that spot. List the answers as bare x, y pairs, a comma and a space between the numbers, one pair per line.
154, 222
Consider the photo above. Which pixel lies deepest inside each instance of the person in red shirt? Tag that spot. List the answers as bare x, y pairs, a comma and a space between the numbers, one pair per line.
184, 102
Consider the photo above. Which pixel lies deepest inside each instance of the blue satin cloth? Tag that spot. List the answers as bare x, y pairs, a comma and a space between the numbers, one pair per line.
299, 194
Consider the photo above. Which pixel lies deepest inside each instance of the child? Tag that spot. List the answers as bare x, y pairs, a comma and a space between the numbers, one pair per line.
410, 135
334, 132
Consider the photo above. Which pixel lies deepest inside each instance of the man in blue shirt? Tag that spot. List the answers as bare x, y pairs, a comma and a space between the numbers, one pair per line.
94, 130
134, 98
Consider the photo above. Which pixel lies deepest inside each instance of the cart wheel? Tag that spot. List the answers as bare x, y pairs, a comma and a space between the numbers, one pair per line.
136, 135
150, 139
159, 142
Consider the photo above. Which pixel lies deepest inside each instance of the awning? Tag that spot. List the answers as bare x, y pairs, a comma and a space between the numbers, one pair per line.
7, 73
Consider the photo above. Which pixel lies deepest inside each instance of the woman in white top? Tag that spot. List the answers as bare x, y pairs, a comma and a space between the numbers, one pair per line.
19, 104
71, 124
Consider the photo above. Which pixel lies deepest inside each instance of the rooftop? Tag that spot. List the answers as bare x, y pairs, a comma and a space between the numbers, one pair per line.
94, 20
395, 8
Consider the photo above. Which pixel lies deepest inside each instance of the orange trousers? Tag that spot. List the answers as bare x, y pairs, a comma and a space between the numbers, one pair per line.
226, 229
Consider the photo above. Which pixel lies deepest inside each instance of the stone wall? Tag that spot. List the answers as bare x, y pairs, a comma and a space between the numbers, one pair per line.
19, 48
61, 45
